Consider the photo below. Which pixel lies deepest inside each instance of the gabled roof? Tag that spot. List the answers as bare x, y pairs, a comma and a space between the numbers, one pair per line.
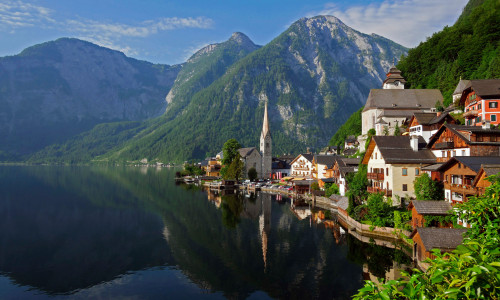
464, 132
461, 86
328, 160
486, 170
430, 207
307, 156
393, 75
350, 161
350, 151
440, 238
472, 162
485, 88
430, 118
244, 152
403, 99
397, 149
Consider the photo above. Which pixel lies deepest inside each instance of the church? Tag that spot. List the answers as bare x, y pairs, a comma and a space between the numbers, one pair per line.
260, 160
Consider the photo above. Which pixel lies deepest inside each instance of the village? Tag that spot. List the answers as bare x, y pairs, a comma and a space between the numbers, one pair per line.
409, 145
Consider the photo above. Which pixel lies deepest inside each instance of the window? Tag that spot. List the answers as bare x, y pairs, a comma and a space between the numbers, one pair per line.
493, 138
463, 152
478, 119
386, 171
375, 155
459, 165
405, 187
493, 105
442, 154
417, 171
405, 171
479, 106
493, 118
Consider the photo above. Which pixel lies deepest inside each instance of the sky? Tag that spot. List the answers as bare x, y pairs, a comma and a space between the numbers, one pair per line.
169, 32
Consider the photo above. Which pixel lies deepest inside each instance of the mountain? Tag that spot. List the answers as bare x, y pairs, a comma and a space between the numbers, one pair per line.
470, 49
313, 75
204, 67
55, 90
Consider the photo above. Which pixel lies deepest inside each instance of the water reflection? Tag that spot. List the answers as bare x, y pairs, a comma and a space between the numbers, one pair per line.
71, 230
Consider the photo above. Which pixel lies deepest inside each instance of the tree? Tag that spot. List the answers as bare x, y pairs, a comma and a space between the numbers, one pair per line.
229, 152
252, 174
386, 130
314, 186
472, 271
235, 169
331, 189
357, 185
397, 130
427, 189
370, 133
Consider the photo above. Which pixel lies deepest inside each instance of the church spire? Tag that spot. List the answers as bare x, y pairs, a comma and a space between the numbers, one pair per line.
265, 124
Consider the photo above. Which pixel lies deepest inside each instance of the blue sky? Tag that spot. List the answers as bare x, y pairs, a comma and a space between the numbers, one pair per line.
163, 31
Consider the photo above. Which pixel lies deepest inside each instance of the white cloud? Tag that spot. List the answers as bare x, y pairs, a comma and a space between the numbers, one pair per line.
407, 22
17, 14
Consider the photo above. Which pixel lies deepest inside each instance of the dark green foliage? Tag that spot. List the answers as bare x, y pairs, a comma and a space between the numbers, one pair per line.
397, 130
314, 186
402, 220
351, 127
252, 174
331, 189
376, 212
428, 189
235, 169
469, 49
191, 169
232, 207
230, 151
357, 183
371, 133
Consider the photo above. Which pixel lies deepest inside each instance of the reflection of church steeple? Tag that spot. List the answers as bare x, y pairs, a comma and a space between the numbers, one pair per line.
265, 224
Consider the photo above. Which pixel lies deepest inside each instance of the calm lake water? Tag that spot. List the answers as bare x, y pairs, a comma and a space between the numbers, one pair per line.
107, 233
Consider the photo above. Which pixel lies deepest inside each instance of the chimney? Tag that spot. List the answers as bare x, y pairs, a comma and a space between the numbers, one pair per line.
486, 124
414, 142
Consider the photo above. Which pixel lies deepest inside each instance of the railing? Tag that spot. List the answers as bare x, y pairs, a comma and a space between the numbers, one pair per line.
375, 176
471, 114
372, 189
301, 168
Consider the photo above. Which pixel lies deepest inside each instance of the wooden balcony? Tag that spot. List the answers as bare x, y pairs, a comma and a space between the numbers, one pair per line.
471, 114
375, 176
464, 189
302, 168
444, 145
386, 192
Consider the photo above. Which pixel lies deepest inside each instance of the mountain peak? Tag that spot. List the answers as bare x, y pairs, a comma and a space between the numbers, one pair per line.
241, 39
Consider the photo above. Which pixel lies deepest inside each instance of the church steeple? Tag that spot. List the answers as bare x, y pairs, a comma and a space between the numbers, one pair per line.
394, 79
266, 146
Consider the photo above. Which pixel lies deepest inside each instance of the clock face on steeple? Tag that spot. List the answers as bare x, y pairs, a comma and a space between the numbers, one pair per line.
396, 83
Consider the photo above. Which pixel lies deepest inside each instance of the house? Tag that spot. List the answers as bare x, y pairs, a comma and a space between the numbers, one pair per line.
302, 186
393, 105
350, 152
480, 99
422, 209
302, 165
394, 162
251, 158
351, 142
341, 168
459, 140
481, 182
280, 168
459, 174
425, 239
426, 124
322, 182
213, 167
321, 164
330, 150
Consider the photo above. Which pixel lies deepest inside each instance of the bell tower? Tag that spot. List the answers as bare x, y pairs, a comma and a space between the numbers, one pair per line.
266, 147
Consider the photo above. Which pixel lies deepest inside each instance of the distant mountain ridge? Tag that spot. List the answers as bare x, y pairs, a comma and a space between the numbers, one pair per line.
52, 91
314, 75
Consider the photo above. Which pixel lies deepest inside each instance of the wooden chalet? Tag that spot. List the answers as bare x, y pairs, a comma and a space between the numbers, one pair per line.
459, 140
321, 165
459, 175
425, 124
422, 209
480, 99
481, 182
425, 239
302, 165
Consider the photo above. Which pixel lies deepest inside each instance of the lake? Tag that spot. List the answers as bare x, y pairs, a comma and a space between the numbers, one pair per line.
130, 232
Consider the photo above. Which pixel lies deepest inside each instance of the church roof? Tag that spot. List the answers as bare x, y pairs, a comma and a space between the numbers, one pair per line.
265, 123
244, 152
402, 99
462, 84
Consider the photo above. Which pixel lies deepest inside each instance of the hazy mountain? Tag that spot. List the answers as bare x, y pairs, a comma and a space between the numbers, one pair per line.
54, 90
314, 75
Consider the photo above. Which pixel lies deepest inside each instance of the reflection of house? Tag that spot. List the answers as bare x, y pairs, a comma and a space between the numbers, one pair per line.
422, 209
458, 140
426, 124
393, 104
480, 99
251, 158
459, 174
302, 165
427, 238
394, 162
